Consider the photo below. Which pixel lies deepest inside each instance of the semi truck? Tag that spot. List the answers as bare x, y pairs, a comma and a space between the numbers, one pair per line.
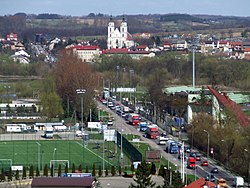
172, 147
152, 131
48, 132
134, 119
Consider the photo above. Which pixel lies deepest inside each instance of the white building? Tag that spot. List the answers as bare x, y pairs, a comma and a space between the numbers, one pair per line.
119, 38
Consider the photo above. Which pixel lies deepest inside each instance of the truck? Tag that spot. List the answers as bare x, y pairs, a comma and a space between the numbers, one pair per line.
238, 181
152, 131
48, 132
134, 119
191, 163
162, 140
143, 126
172, 147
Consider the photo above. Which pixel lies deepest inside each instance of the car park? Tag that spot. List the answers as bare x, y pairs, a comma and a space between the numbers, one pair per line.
215, 170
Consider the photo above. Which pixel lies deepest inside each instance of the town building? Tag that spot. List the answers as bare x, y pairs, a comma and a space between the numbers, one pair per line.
87, 53
119, 37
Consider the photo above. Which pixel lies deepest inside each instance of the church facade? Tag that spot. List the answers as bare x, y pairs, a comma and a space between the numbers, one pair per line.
119, 37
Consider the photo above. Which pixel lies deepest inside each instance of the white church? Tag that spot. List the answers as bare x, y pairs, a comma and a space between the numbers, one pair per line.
119, 37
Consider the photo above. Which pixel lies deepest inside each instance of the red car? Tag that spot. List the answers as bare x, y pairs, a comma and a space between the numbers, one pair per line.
204, 163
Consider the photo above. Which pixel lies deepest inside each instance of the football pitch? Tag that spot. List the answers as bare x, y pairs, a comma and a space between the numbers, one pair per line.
39, 153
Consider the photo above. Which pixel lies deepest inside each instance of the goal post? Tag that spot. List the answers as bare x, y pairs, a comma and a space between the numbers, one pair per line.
56, 163
5, 164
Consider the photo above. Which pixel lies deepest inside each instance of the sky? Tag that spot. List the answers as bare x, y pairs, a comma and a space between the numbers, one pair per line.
126, 7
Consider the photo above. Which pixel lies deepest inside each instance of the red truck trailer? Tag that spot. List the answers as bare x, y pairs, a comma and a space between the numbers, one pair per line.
134, 119
152, 131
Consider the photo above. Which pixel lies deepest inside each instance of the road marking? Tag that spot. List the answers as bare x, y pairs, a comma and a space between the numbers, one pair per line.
94, 153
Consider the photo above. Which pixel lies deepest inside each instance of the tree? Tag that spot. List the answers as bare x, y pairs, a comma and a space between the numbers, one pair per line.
86, 169
31, 171
2, 175
113, 170
17, 175
24, 173
161, 171
52, 170
120, 170
142, 177
153, 169
100, 171
66, 170
37, 172
10, 174
73, 168
59, 170
132, 168
93, 170
106, 171
80, 168
45, 170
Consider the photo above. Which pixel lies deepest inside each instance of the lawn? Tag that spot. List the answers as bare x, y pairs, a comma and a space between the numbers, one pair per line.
36, 153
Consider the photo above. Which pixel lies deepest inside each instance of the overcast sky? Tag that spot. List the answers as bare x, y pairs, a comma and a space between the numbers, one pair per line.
118, 7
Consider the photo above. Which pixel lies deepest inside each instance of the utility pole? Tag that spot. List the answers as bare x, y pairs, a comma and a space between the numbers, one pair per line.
81, 92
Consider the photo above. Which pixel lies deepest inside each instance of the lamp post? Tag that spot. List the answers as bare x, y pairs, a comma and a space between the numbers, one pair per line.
54, 153
130, 73
248, 158
38, 155
117, 78
121, 146
226, 151
207, 142
81, 92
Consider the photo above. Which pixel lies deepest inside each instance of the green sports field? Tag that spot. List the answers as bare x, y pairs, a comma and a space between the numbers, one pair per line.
39, 153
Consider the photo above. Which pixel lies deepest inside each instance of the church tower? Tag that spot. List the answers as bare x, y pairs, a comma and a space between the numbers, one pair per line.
124, 32
111, 29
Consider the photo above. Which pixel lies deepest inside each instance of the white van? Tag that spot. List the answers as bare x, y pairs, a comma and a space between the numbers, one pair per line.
238, 181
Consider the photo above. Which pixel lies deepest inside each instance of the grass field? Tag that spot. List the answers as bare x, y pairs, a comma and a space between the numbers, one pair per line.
36, 153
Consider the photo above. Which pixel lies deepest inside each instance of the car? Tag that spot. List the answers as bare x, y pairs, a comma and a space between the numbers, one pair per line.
204, 163
215, 170
128, 174
198, 157
210, 177
110, 122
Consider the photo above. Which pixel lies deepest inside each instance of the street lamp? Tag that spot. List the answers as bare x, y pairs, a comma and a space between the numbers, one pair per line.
38, 155
248, 158
207, 142
226, 152
54, 152
81, 92
117, 78
121, 145
130, 72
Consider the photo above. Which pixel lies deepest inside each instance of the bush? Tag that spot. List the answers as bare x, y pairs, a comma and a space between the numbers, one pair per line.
113, 170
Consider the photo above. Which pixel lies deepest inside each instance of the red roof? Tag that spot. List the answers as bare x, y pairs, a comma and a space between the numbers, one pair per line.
236, 43
246, 49
129, 37
232, 106
223, 42
201, 183
86, 47
141, 46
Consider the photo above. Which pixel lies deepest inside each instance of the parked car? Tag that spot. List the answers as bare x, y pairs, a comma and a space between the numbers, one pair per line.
215, 170
204, 163
128, 174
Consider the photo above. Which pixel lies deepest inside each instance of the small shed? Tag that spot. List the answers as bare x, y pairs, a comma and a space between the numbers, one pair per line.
63, 182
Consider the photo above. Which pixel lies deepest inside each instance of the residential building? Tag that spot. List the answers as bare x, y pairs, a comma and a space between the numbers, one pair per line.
87, 53
119, 38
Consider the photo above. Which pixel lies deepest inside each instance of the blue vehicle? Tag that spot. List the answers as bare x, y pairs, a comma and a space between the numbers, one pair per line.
143, 126
172, 147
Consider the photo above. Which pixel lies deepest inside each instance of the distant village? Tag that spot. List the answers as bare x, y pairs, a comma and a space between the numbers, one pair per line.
121, 42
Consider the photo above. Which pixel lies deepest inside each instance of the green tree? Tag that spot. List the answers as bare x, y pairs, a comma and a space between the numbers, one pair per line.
2, 175
142, 177
24, 175
46, 170
66, 169
93, 170
80, 168
106, 171
132, 168
52, 170
120, 170
73, 168
153, 169
161, 171
17, 176
10, 174
37, 172
100, 171
113, 170
86, 169
31, 171
59, 170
